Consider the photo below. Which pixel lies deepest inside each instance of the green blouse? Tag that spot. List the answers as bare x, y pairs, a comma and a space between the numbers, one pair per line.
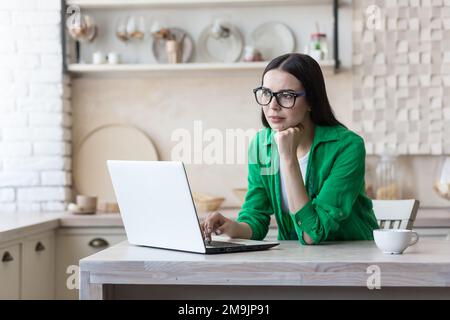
338, 209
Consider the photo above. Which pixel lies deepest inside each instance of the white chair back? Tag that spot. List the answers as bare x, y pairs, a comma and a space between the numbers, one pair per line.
395, 214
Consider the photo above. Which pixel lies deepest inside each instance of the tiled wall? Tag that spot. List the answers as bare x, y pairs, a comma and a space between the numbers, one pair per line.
401, 57
35, 115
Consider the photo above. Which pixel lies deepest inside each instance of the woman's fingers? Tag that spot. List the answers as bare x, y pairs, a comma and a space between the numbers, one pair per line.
202, 227
207, 231
211, 224
207, 228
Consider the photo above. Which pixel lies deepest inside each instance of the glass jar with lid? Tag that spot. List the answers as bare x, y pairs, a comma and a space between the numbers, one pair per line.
387, 177
318, 48
442, 178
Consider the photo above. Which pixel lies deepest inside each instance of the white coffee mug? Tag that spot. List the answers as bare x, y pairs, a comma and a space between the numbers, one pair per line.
394, 241
98, 57
113, 58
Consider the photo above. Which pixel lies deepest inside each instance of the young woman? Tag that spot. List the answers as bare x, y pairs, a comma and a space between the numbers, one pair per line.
305, 167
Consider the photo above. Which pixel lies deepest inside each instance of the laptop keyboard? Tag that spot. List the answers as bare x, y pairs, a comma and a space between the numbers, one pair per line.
221, 244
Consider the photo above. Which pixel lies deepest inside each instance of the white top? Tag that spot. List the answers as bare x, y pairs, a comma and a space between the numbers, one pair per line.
303, 161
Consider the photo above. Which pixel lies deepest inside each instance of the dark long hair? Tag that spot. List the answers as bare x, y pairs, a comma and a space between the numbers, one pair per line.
308, 72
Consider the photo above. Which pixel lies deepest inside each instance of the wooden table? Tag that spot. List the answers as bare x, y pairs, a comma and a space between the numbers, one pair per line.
289, 271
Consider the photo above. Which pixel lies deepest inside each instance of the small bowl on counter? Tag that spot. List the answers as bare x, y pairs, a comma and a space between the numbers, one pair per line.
108, 207
76, 209
84, 204
205, 202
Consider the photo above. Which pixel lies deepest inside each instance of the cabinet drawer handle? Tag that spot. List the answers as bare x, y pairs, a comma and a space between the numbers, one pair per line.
7, 257
39, 247
98, 243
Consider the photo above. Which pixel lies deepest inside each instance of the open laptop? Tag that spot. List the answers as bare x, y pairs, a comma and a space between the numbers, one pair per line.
158, 211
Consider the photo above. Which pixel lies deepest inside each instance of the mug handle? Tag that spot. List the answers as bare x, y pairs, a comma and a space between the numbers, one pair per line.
414, 238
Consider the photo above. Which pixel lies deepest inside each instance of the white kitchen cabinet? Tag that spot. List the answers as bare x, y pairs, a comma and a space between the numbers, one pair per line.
38, 267
10, 272
74, 244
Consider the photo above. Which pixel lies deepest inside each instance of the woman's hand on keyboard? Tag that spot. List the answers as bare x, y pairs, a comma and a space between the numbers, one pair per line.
217, 223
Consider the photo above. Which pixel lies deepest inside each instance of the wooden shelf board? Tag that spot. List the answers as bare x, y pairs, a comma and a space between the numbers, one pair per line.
238, 67
189, 3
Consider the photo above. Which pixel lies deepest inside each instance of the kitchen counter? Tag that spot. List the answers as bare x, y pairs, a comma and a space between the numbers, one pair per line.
95, 220
290, 270
17, 225
433, 217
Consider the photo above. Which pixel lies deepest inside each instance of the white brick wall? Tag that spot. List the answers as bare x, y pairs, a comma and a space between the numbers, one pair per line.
42, 194
7, 194
55, 178
19, 179
46, 148
35, 112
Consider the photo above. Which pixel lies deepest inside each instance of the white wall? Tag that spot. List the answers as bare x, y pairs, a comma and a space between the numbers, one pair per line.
35, 115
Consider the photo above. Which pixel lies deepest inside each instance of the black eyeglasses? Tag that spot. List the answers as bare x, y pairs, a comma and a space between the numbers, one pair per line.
285, 98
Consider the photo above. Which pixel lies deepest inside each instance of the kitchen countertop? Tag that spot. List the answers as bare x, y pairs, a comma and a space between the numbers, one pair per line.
17, 225
433, 218
95, 220
336, 264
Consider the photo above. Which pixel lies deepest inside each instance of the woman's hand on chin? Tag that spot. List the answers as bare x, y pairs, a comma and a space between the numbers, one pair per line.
287, 141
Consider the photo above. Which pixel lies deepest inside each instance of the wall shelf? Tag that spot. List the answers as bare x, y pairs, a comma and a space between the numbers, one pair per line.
190, 3
177, 69
203, 68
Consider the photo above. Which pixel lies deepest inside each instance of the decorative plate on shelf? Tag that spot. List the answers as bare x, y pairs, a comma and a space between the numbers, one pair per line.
220, 49
159, 46
109, 142
273, 39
